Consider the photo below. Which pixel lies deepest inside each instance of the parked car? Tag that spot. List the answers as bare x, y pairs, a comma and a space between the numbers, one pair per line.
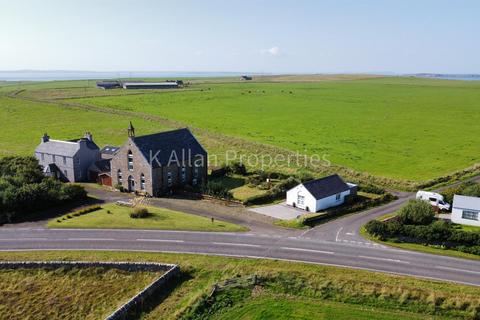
435, 199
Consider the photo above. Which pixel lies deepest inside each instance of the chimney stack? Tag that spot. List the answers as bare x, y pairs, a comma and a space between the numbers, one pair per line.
45, 138
88, 136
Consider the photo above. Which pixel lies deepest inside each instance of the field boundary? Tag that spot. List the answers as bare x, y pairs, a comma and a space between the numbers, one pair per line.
122, 312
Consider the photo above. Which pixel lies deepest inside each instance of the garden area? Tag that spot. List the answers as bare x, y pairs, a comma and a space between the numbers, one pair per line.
416, 227
25, 191
114, 216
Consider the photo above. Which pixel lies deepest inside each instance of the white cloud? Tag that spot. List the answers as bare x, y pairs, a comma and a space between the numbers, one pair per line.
273, 51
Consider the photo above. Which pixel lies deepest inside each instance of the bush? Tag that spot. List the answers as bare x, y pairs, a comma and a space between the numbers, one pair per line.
119, 187
237, 168
217, 189
370, 188
139, 213
416, 212
377, 228
24, 189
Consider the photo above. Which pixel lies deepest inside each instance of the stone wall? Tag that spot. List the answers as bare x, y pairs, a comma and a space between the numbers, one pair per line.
170, 270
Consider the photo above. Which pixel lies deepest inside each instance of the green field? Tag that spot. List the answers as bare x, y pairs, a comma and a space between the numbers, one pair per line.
321, 290
90, 293
112, 216
398, 128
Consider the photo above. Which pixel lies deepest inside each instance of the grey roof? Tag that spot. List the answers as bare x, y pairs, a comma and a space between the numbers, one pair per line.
465, 202
102, 165
180, 141
109, 150
325, 187
64, 148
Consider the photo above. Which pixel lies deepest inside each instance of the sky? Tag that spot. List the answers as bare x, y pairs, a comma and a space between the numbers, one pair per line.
265, 36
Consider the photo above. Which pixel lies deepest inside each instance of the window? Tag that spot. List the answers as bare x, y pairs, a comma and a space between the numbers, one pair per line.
470, 215
65, 173
77, 161
130, 160
183, 174
142, 181
300, 200
64, 160
195, 172
53, 158
119, 177
194, 182
169, 178
43, 156
337, 197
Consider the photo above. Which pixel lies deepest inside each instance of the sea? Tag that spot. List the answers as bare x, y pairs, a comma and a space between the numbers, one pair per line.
29, 75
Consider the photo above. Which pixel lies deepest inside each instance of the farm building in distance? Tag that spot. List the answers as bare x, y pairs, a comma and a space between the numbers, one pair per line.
109, 85
321, 194
150, 85
246, 78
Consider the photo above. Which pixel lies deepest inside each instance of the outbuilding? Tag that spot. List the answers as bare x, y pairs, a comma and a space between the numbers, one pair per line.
466, 210
321, 194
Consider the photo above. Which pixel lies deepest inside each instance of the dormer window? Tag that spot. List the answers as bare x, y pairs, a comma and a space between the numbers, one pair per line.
130, 160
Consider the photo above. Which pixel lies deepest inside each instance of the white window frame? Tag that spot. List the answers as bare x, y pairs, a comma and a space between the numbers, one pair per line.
169, 178
142, 182
130, 160
470, 215
300, 200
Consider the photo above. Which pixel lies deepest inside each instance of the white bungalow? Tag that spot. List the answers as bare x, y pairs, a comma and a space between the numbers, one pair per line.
466, 210
320, 194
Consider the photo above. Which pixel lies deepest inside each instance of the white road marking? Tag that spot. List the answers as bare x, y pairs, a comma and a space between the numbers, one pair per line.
456, 269
24, 239
160, 240
338, 232
350, 233
90, 239
236, 244
384, 259
307, 250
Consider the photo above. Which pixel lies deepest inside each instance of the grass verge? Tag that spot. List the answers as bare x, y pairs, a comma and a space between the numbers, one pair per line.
291, 282
67, 293
112, 216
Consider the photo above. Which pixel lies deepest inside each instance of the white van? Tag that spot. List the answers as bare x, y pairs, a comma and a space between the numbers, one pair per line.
435, 199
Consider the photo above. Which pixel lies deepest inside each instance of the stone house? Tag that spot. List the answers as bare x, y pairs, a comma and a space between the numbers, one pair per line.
157, 163
68, 160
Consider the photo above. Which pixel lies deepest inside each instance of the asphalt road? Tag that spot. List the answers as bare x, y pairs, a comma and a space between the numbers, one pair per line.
336, 243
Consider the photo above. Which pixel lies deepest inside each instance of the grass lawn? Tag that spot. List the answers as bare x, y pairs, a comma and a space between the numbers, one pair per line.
467, 228
238, 186
318, 289
91, 293
118, 217
272, 307
399, 128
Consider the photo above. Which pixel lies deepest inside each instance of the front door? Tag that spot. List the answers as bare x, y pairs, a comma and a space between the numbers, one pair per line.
131, 184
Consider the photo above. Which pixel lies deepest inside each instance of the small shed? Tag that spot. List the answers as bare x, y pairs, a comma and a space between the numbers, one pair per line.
465, 210
321, 194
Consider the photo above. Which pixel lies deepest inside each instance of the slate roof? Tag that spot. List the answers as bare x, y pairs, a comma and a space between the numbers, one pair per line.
103, 165
64, 148
464, 202
109, 150
180, 141
326, 187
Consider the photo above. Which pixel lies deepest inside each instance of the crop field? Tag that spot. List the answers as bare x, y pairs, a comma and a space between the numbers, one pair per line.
409, 129
400, 129
322, 291
90, 293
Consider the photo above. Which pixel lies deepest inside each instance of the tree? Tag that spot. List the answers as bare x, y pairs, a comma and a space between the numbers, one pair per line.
416, 212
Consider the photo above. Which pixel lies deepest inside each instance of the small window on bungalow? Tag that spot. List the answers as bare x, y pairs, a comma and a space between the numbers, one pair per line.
470, 215
42, 155
338, 197
64, 160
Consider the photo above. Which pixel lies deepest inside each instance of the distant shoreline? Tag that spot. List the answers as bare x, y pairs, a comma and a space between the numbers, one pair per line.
61, 75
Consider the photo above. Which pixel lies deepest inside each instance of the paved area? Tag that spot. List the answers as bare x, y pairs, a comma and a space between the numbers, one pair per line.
279, 211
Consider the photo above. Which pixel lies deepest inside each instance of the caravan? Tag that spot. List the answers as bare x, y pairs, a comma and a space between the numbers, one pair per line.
435, 199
